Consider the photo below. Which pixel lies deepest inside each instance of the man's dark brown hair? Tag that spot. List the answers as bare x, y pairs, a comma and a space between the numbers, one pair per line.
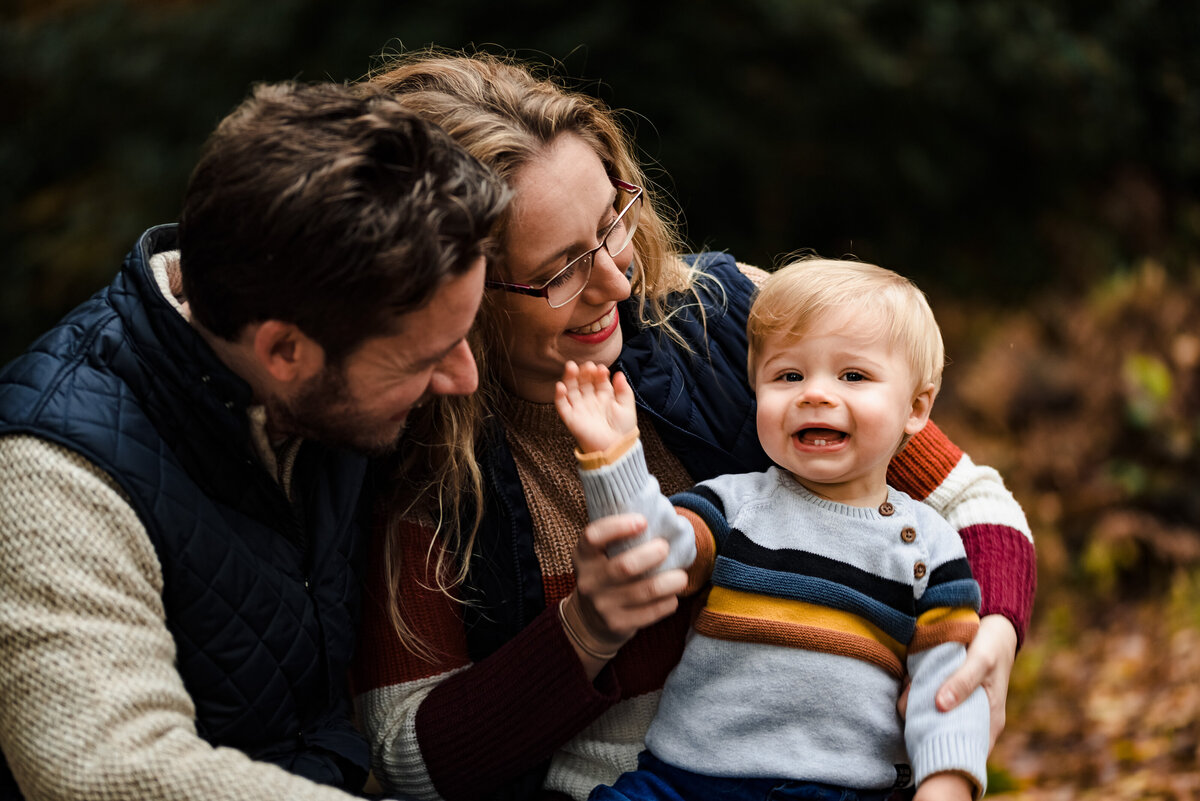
331, 208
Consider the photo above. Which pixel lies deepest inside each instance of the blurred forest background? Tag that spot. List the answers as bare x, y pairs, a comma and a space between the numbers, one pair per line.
1035, 166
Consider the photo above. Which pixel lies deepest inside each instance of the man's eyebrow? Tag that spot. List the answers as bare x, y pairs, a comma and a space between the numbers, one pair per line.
434, 358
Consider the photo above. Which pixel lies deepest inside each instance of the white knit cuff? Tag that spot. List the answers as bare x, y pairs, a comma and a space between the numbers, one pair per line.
616, 487
965, 755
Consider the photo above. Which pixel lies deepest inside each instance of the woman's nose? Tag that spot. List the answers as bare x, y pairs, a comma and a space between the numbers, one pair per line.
608, 281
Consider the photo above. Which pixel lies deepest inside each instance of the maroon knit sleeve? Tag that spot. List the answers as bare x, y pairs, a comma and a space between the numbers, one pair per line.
1005, 565
486, 723
485, 726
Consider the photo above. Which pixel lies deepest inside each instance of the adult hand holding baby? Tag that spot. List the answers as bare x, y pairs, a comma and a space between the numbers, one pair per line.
619, 586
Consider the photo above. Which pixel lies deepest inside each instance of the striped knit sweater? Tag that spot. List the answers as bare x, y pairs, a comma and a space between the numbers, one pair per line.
816, 611
445, 727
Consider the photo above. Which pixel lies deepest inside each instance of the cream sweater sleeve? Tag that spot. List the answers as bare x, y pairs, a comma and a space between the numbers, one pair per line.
91, 705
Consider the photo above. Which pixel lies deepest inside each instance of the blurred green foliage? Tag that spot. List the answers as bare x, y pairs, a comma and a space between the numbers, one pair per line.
987, 148
1090, 407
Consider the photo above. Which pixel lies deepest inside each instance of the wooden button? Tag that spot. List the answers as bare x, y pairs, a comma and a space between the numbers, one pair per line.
908, 533
919, 570
886, 509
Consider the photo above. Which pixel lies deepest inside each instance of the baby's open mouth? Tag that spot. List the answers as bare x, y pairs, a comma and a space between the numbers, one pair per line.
819, 437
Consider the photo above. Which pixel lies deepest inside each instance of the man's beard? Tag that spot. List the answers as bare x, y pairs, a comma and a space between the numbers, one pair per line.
323, 410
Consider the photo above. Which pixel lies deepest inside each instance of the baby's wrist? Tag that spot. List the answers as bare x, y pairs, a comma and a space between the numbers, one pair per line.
600, 457
950, 784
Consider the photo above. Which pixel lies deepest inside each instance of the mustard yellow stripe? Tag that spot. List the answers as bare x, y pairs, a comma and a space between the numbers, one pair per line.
942, 613
725, 601
793, 635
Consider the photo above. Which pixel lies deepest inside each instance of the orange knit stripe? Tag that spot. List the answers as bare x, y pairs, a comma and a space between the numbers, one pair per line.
706, 551
594, 460
812, 638
924, 463
790, 612
952, 630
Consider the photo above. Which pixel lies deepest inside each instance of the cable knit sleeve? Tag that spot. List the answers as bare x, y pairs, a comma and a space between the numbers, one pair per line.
91, 705
443, 727
989, 520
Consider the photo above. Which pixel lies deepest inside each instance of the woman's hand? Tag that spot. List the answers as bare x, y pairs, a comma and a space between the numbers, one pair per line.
989, 664
619, 595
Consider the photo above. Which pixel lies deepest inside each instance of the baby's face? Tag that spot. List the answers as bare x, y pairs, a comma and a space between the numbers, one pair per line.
834, 406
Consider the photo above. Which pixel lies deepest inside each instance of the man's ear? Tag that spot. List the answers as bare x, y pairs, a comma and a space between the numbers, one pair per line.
285, 352
922, 405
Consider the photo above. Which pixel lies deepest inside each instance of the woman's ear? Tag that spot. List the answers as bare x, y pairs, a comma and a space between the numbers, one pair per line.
922, 405
285, 353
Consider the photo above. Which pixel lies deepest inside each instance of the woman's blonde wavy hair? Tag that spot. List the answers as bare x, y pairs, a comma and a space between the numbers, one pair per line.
505, 113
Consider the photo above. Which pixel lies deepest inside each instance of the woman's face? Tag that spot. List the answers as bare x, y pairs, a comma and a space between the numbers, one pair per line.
564, 203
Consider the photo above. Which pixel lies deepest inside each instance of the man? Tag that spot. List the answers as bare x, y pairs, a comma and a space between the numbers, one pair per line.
181, 458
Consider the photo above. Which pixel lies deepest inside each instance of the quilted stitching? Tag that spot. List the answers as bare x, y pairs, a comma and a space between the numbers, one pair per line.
262, 655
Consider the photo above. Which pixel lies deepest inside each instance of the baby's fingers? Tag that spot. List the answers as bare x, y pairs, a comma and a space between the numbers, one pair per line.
621, 389
593, 379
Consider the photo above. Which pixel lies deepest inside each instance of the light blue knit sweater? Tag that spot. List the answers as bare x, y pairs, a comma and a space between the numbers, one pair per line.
794, 666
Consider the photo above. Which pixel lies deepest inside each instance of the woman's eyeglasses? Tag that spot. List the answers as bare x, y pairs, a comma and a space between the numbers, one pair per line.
568, 282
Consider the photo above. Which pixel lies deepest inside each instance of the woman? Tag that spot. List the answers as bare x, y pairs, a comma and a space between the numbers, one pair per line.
487, 670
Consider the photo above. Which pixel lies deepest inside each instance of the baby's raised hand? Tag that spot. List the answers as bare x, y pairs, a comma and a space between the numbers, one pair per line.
597, 412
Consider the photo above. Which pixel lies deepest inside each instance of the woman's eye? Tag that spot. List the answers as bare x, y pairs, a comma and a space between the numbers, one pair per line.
564, 276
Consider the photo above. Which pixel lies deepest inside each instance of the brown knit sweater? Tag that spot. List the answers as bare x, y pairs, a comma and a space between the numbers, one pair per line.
544, 452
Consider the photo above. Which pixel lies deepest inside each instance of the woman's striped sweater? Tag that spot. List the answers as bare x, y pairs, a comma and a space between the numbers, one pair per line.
446, 727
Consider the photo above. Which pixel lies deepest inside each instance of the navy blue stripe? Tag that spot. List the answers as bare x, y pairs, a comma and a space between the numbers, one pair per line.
961, 593
897, 595
814, 590
705, 503
954, 570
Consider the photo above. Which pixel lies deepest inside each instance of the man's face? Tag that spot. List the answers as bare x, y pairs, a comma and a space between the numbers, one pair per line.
362, 404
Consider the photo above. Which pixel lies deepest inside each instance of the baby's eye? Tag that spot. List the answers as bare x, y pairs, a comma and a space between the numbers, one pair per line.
791, 375
853, 375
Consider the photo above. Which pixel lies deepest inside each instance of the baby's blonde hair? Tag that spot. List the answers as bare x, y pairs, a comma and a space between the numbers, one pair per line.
793, 299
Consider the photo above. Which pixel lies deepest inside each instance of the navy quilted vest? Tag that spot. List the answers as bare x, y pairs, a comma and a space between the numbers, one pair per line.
261, 593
